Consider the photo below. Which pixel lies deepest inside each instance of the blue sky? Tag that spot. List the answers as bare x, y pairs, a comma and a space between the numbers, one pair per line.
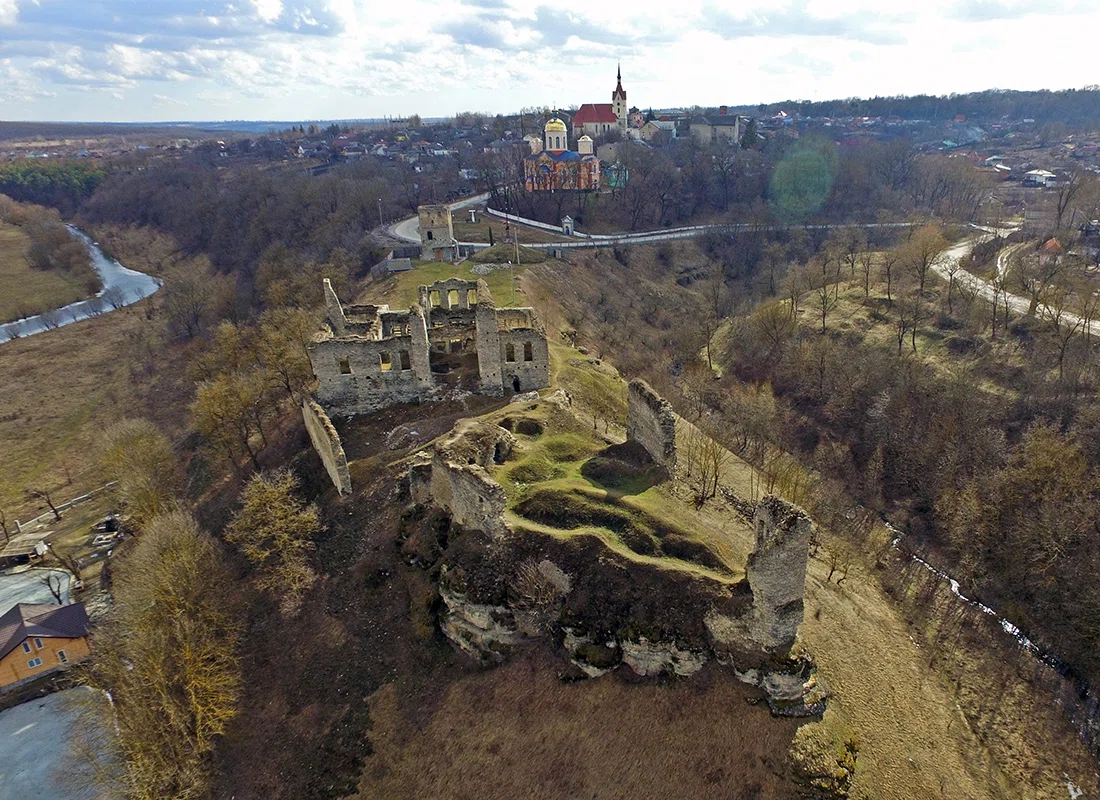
150, 60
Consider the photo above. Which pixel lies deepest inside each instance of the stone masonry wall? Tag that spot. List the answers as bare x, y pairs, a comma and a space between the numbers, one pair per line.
776, 577
326, 441
651, 423
488, 342
351, 378
519, 374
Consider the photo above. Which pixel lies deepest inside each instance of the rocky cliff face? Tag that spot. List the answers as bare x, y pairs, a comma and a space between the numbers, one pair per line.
501, 587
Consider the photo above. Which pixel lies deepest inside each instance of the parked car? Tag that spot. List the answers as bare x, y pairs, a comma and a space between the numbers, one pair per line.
103, 539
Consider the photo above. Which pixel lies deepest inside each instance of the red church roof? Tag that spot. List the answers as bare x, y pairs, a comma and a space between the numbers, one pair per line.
594, 112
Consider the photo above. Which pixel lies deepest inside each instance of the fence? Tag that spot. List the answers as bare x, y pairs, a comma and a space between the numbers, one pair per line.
76, 501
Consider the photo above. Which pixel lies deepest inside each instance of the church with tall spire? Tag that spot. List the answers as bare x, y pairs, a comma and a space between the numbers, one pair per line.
594, 119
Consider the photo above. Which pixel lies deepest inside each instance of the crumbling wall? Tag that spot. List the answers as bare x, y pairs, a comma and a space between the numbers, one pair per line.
326, 441
524, 359
651, 423
776, 572
488, 343
776, 577
334, 313
455, 478
357, 375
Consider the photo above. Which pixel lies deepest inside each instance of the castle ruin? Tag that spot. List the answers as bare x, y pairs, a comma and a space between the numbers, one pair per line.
370, 357
437, 233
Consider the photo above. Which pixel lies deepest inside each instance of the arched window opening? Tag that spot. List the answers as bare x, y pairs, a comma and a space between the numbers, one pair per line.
384, 361
528, 352
345, 365
509, 352
406, 363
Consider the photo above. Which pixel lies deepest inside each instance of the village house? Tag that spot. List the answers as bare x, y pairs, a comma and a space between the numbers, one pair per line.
721, 126
36, 639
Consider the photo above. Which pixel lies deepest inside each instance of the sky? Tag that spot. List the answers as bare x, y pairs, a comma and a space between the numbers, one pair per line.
159, 60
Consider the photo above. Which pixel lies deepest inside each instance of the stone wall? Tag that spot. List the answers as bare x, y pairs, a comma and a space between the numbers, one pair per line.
326, 441
488, 342
651, 423
333, 312
356, 376
524, 359
776, 578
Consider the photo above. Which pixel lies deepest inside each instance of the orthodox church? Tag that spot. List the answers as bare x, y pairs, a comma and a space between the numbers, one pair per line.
553, 166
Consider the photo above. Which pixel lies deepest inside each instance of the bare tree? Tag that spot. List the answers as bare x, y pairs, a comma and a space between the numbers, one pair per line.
43, 494
48, 581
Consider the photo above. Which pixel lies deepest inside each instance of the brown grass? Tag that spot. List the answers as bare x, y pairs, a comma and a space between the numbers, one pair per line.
28, 291
518, 731
60, 388
479, 231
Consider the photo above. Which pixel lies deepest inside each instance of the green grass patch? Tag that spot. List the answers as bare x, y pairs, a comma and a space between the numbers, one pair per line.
642, 533
399, 290
568, 447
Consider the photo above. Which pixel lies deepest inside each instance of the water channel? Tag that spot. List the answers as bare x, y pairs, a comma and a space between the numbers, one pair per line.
121, 287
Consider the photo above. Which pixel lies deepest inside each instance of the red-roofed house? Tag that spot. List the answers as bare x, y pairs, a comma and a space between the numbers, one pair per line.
39, 638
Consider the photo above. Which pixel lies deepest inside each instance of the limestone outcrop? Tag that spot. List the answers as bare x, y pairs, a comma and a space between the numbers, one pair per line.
502, 584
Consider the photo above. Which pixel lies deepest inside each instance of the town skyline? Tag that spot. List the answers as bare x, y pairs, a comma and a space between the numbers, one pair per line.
119, 61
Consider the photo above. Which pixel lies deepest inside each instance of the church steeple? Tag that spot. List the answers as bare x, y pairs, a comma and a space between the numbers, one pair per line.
618, 99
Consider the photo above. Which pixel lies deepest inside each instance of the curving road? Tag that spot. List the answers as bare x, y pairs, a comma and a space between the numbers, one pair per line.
984, 289
121, 287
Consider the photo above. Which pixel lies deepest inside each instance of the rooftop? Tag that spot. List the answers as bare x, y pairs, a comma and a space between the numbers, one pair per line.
46, 620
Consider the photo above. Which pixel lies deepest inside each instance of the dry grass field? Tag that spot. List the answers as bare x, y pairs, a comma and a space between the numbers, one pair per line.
28, 291
518, 731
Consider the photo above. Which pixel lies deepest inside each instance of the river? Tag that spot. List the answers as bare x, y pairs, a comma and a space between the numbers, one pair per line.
121, 287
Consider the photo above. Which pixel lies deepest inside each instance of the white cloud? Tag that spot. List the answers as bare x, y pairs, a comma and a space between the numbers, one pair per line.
9, 11
293, 59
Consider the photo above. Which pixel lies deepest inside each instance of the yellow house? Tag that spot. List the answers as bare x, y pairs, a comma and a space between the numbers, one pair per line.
39, 638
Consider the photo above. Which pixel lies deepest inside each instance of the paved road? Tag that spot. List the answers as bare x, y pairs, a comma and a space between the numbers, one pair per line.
984, 289
409, 230
27, 587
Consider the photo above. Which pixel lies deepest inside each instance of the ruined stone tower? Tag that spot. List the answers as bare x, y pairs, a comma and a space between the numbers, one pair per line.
437, 233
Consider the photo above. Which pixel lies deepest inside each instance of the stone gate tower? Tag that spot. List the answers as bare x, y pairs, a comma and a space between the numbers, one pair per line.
437, 233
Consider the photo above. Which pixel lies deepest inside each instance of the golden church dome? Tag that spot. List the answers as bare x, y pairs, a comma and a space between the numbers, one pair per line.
555, 124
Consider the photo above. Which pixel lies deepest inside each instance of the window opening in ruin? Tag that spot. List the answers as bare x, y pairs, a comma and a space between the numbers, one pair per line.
452, 297
345, 365
471, 297
515, 383
528, 353
430, 236
433, 298
405, 362
456, 345
509, 352
384, 359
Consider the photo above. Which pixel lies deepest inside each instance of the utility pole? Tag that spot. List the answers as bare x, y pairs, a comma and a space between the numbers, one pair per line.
381, 224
